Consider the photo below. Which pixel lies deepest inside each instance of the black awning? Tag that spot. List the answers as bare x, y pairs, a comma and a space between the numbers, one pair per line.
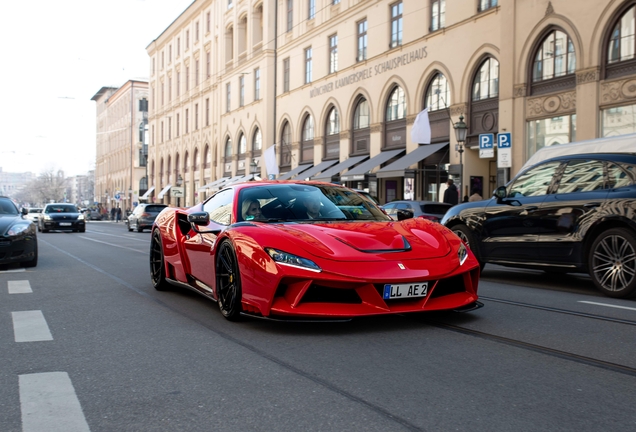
294, 172
398, 168
318, 168
338, 168
360, 172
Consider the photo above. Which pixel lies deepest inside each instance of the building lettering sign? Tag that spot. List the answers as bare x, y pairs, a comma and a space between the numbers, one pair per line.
378, 69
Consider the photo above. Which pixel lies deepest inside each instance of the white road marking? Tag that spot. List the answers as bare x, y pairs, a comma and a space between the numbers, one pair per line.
49, 403
20, 270
608, 305
30, 326
114, 245
20, 287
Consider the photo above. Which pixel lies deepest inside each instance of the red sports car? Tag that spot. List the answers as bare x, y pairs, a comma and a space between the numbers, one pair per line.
309, 250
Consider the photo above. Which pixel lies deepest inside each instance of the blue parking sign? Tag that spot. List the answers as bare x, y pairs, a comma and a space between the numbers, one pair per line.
486, 145
504, 140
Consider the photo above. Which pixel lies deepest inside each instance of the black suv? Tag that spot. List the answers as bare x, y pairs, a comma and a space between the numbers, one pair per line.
143, 216
572, 213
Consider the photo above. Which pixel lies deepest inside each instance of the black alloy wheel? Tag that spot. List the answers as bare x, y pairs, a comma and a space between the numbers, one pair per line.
157, 265
228, 282
612, 262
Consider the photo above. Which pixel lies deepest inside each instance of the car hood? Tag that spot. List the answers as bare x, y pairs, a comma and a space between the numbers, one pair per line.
360, 241
62, 216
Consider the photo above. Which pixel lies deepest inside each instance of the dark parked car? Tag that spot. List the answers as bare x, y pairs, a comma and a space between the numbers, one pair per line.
18, 238
143, 216
574, 213
61, 216
431, 210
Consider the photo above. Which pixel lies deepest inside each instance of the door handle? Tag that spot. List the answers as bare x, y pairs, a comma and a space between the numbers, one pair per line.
591, 205
531, 208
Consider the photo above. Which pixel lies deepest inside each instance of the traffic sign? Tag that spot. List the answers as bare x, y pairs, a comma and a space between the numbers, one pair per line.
504, 150
486, 145
118, 197
176, 192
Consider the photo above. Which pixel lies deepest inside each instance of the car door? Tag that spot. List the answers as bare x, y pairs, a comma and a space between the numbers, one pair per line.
511, 225
199, 246
579, 193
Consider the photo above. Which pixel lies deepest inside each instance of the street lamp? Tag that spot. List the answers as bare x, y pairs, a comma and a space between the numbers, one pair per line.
253, 167
460, 134
179, 183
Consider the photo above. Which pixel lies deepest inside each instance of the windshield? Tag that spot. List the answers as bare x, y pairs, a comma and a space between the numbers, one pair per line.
7, 208
61, 208
300, 202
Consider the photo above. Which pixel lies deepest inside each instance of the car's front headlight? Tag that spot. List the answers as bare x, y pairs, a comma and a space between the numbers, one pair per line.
462, 254
80, 217
46, 217
17, 229
292, 260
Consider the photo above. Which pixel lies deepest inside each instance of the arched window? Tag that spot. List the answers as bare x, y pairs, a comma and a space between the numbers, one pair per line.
285, 152
186, 162
196, 160
257, 142
486, 82
438, 93
228, 149
621, 44
396, 107
242, 144
332, 132
168, 168
361, 129
554, 58
307, 141
176, 166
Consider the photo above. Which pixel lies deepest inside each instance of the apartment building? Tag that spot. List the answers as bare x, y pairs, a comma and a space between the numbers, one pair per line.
336, 86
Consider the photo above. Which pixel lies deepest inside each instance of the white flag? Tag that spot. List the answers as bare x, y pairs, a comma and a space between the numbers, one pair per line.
270, 160
421, 132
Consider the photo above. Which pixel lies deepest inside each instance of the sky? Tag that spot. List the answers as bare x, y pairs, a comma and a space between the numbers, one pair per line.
56, 55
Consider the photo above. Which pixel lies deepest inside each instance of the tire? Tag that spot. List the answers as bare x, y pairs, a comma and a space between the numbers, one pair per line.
139, 229
33, 262
82, 230
45, 230
612, 262
466, 235
228, 282
39, 229
157, 264
129, 228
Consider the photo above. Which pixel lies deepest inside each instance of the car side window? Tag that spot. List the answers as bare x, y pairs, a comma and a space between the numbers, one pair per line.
219, 207
535, 181
582, 175
618, 177
403, 206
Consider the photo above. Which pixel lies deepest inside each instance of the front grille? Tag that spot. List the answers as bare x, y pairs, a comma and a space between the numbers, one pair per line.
449, 286
323, 294
5, 243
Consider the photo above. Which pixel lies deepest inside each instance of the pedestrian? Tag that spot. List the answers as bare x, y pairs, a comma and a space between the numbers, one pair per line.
118, 214
450, 194
113, 211
475, 196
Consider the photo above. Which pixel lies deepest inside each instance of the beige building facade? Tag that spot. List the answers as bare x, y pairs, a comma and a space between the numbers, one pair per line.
121, 145
336, 87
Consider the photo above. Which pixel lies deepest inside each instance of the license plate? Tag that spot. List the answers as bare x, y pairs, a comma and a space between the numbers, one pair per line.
401, 291
65, 224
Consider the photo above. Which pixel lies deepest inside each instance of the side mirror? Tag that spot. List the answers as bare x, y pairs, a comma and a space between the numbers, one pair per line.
24, 211
404, 214
500, 193
200, 219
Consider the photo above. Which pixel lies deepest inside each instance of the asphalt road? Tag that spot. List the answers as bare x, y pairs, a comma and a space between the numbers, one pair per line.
546, 353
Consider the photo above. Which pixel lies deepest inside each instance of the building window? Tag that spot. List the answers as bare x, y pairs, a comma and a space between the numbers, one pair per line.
308, 66
187, 41
187, 78
178, 46
241, 91
162, 58
285, 151
362, 117
486, 4
311, 9
169, 54
362, 41
333, 122
332, 132
208, 58
196, 72
177, 124
196, 116
178, 83
207, 112
208, 20
196, 31
169, 128
335, 2
242, 144
333, 53
396, 24
161, 133
230, 4
228, 95
555, 57
549, 132
290, 15
169, 89
257, 84
257, 143
438, 14
618, 120
163, 92
307, 144
396, 108
286, 75
621, 44
187, 120
486, 83
438, 93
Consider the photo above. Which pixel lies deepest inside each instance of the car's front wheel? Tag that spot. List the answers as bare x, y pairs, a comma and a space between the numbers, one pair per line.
33, 262
612, 262
157, 266
228, 282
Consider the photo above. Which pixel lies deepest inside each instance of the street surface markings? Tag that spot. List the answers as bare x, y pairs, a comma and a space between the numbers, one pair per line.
20, 287
30, 326
13, 271
608, 305
49, 403
114, 245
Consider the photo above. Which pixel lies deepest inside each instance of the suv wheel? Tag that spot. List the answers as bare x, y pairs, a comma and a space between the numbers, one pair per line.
612, 262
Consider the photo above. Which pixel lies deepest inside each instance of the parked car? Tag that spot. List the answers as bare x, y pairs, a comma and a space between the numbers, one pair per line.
18, 237
143, 216
307, 251
572, 213
33, 214
61, 216
431, 210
